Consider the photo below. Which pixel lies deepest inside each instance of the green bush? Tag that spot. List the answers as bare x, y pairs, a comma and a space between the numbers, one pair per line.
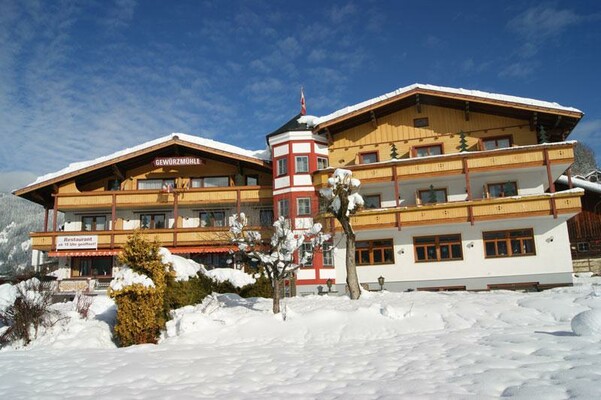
140, 309
261, 288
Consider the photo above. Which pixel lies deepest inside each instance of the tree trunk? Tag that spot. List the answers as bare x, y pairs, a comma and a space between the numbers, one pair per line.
276, 296
352, 279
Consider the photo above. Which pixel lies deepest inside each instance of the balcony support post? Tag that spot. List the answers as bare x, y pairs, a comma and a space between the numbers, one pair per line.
175, 217
46, 211
54, 221
551, 184
238, 201
397, 215
570, 183
468, 189
113, 218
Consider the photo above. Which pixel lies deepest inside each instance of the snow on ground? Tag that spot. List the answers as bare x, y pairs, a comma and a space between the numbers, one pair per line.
414, 345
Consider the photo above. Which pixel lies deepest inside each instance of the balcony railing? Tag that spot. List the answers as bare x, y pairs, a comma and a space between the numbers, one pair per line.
142, 198
459, 163
567, 202
179, 237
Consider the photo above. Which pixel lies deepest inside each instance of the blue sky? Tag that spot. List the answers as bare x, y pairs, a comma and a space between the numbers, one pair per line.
83, 79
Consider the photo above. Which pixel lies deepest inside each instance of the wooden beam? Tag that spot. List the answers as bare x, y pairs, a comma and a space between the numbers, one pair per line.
54, 222
549, 175
570, 183
113, 218
467, 110
118, 173
46, 209
395, 180
175, 217
418, 105
374, 120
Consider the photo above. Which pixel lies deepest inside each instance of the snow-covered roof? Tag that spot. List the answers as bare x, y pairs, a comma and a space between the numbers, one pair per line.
454, 91
581, 183
263, 155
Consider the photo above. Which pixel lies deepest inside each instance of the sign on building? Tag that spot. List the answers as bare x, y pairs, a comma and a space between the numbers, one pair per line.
177, 161
77, 242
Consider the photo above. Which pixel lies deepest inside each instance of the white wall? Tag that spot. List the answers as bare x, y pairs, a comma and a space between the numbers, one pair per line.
551, 256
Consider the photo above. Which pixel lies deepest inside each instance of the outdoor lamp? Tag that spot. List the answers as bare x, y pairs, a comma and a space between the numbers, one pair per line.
381, 282
329, 285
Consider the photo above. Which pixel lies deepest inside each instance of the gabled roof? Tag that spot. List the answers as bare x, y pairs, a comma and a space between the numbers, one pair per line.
499, 100
258, 158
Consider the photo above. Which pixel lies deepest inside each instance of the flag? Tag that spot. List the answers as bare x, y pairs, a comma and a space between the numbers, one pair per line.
303, 105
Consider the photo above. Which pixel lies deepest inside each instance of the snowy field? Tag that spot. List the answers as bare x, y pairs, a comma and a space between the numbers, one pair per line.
384, 346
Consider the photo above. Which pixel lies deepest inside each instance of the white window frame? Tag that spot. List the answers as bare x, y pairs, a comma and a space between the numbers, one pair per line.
304, 163
306, 207
282, 166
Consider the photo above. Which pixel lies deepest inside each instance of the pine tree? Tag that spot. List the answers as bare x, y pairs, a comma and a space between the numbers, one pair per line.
462, 142
542, 135
432, 195
394, 154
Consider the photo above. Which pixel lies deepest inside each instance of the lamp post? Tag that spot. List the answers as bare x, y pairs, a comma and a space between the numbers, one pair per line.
381, 282
329, 285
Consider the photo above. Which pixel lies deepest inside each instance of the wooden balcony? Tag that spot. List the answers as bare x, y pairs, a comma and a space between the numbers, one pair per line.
567, 202
180, 237
153, 198
561, 154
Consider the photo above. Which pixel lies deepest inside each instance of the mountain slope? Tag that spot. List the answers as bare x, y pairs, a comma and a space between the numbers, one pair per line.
18, 217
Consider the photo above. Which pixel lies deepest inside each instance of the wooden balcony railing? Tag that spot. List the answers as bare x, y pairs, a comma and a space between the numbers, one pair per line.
180, 237
459, 163
567, 202
145, 198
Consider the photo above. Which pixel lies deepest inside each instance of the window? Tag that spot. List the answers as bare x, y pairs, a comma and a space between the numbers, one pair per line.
432, 196
283, 208
502, 189
519, 242
420, 122
372, 252
583, 247
302, 164
92, 266
266, 217
326, 250
322, 163
282, 166
368, 158
155, 184
212, 218
371, 201
93, 223
210, 181
437, 248
303, 206
306, 252
424, 151
500, 142
152, 221
252, 180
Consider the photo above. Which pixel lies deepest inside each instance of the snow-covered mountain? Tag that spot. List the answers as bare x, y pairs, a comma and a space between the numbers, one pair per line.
18, 217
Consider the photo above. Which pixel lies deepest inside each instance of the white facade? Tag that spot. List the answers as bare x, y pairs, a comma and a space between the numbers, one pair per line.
552, 262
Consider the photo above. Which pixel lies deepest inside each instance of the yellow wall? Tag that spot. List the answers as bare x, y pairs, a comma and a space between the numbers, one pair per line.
444, 127
181, 173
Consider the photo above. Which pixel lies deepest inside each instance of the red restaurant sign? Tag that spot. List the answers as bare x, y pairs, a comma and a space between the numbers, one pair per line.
176, 161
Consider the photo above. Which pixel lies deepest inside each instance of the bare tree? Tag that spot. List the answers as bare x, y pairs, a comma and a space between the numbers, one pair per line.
278, 256
343, 201
584, 159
